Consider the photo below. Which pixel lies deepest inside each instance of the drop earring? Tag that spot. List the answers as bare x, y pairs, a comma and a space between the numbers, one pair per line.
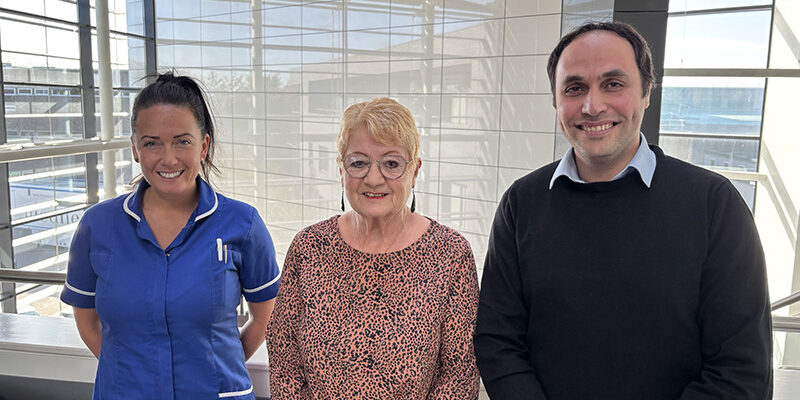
413, 200
342, 199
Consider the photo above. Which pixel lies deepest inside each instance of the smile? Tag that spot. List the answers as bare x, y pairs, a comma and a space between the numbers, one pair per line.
374, 195
597, 128
170, 175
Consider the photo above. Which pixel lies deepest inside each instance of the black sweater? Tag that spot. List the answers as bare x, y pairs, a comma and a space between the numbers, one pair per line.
612, 290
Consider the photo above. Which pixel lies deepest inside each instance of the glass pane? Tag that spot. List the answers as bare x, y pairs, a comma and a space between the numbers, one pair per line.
785, 51
49, 54
689, 5
726, 40
123, 104
707, 105
126, 16
31, 7
45, 185
41, 114
42, 246
127, 60
733, 154
66, 10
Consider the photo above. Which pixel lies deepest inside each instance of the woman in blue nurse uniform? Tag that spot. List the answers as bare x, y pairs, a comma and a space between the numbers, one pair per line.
155, 276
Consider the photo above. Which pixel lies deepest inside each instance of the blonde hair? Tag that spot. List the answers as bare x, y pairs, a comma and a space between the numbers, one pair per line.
386, 120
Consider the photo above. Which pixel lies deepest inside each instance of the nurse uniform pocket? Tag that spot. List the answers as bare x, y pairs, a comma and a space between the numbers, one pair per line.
226, 290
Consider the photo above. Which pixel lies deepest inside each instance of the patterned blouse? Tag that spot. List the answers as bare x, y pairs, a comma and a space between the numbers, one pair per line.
353, 325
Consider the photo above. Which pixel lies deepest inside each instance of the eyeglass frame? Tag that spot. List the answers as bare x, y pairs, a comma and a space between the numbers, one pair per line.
378, 160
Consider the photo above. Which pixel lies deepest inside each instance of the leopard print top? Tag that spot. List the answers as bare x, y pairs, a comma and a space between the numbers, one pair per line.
352, 325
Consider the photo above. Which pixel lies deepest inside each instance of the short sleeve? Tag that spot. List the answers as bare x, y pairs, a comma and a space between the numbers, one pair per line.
259, 274
81, 280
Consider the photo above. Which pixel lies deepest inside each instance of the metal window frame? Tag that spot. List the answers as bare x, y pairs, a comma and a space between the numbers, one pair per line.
89, 146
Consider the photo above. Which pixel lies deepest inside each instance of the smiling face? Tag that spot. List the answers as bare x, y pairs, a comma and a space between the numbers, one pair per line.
169, 146
374, 196
599, 103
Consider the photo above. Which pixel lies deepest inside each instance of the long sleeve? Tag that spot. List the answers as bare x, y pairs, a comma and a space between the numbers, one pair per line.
734, 311
500, 337
286, 377
457, 377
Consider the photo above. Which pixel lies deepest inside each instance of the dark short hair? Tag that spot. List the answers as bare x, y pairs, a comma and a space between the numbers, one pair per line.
180, 91
644, 59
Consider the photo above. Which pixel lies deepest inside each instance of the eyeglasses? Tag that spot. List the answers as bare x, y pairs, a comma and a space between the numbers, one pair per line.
391, 166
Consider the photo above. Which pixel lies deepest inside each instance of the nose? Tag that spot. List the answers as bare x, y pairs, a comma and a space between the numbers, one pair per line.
374, 176
169, 157
593, 103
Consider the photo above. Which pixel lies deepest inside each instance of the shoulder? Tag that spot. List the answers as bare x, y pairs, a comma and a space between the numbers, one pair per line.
234, 208
320, 233
448, 238
678, 174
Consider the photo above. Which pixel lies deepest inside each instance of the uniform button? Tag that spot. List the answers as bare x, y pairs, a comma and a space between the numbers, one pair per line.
167, 254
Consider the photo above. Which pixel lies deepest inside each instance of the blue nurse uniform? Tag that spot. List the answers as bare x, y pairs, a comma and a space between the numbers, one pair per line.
169, 316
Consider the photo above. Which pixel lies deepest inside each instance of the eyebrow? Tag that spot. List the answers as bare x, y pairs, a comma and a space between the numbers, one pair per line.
158, 138
614, 73
390, 152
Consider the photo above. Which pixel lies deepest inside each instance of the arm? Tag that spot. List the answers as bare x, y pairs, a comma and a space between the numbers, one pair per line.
734, 311
502, 326
457, 377
89, 328
286, 376
253, 331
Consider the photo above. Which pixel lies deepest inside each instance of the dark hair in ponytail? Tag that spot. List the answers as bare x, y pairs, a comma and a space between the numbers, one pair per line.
180, 91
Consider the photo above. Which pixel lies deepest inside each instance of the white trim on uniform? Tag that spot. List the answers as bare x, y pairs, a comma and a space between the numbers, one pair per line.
234, 394
262, 287
209, 212
128, 210
78, 291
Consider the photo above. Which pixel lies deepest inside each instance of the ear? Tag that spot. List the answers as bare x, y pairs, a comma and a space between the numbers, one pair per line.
206, 144
646, 98
416, 170
133, 148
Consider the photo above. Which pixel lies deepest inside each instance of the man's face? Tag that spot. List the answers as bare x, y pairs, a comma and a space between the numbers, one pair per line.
599, 103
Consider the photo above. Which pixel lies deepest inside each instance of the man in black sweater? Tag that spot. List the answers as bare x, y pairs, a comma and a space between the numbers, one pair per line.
619, 272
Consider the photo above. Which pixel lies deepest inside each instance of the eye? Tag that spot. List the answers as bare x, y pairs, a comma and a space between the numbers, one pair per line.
184, 142
573, 90
150, 144
614, 85
358, 164
391, 163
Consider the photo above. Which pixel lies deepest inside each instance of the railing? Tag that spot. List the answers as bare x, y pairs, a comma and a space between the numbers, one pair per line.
783, 324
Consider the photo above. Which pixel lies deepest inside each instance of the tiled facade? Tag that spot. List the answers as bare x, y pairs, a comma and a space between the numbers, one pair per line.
473, 73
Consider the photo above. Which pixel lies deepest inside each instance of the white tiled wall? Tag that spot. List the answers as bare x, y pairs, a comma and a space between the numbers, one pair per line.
472, 72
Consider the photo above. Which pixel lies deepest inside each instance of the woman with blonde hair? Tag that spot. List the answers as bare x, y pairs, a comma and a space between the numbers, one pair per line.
379, 302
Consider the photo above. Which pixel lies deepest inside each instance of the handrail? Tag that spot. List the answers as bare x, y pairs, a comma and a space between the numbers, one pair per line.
42, 277
779, 323
786, 324
786, 301
30, 151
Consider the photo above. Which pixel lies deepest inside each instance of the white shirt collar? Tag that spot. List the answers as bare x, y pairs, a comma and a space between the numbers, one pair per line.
643, 161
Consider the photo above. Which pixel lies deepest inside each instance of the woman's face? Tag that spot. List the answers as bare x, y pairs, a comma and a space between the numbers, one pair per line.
375, 196
169, 146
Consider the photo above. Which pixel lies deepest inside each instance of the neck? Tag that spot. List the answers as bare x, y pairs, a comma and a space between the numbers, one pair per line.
379, 233
603, 170
385, 226
177, 202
